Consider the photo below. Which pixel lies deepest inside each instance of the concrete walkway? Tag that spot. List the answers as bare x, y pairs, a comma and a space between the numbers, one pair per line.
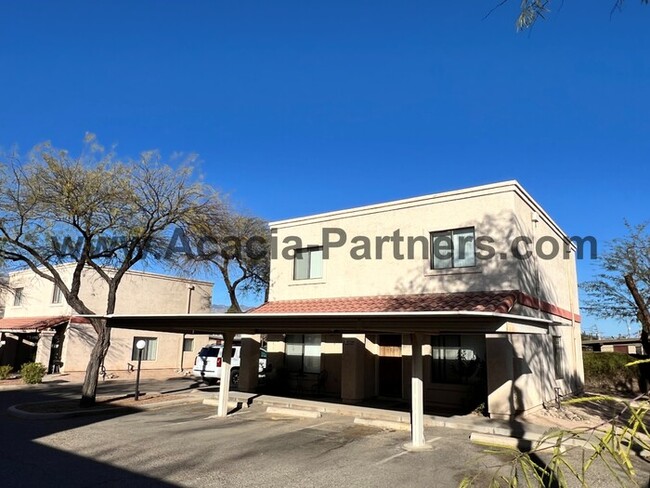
390, 419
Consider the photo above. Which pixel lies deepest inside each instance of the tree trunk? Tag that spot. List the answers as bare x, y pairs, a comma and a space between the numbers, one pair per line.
234, 302
642, 312
89, 389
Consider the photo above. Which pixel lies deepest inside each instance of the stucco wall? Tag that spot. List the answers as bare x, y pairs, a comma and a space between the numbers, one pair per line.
138, 293
490, 213
147, 293
500, 214
521, 372
37, 295
80, 338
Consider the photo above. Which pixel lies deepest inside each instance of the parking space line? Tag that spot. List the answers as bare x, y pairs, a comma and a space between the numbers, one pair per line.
317, 425
433, 440
391, 457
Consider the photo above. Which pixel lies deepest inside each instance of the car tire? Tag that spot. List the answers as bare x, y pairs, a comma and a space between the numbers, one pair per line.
234, 377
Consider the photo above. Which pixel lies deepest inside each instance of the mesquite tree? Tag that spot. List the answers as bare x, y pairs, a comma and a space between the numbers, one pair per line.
237, 245
94, 212
622, 289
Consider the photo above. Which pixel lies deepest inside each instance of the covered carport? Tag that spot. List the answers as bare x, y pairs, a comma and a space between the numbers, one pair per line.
416, 324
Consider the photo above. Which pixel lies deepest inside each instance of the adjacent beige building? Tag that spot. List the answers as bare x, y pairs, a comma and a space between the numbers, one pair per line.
39, 325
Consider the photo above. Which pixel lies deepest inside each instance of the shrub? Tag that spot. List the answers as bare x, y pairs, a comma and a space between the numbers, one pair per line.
607, 371
32, 373
5, 371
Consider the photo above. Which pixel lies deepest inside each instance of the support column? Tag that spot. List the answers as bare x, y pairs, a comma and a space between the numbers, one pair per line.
44, 348
224, 384
499, 360
417, 397
249, 370
353, 368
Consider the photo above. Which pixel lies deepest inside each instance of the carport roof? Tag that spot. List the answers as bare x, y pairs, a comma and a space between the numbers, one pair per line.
31, 324
435, 322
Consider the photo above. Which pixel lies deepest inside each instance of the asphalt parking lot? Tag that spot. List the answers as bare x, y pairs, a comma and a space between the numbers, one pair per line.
187, 446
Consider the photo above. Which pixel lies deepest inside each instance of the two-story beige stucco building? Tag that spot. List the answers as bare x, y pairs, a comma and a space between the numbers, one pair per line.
454, 256
39, 325
452, 300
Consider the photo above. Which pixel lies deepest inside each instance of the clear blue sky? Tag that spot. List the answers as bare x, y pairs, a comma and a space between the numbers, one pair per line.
299, 107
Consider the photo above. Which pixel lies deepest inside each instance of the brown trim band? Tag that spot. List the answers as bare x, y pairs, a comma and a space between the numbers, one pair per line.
538, 304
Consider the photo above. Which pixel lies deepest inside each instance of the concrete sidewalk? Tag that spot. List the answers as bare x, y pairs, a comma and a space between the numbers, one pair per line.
391, 419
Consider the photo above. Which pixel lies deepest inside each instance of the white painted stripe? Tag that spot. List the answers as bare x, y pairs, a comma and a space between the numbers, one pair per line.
392, 457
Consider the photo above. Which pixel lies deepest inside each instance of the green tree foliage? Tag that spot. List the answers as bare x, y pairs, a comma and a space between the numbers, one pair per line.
621, 290
237, 245
581, 456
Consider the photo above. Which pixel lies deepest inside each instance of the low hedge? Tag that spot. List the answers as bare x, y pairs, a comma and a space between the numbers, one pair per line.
608, 371
32, 373
5, 371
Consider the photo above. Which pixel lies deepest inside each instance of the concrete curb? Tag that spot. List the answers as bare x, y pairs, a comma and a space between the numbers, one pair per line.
382, 424
393, 419
214, 402
495, 440
290, 412
16, 411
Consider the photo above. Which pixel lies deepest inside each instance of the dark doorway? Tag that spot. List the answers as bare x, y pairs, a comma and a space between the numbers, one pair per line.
390, 366
56, 351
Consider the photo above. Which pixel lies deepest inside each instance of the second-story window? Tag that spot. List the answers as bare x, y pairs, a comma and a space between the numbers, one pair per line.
18, 297
453, 249
308, 263
57, 296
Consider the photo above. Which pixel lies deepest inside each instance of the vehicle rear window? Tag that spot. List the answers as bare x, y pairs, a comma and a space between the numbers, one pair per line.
210, 352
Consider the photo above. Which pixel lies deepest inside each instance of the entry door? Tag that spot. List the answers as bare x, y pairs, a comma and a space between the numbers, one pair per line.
390, 366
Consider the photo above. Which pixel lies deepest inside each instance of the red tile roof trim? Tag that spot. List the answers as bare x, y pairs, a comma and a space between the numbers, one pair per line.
501, 302
32, 323
38, 323
485, 301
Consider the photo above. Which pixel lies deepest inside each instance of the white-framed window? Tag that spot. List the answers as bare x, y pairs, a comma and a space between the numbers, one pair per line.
18, 297
57, 295
453, 249
308, 263
188, 345
302, 354
558, 358
150, 349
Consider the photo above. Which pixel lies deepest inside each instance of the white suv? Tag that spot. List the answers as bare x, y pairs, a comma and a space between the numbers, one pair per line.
207, 365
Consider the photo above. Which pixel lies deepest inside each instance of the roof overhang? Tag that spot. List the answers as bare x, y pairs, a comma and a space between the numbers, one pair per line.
453, 322
31, 325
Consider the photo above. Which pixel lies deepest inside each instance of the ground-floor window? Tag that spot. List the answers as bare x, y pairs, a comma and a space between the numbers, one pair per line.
457, 359
302, 354
188, 345
149, 351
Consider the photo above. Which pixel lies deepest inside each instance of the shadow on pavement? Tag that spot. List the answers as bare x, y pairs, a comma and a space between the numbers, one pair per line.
25, 462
